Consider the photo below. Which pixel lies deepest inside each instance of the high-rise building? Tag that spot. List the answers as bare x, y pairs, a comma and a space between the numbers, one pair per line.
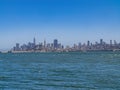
34, 41
55, 43
110, 42
79, 45
115, 43
44, 43
17, 47
88, 43
101, 41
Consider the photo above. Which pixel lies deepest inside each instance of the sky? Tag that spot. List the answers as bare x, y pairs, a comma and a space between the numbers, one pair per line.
69, 21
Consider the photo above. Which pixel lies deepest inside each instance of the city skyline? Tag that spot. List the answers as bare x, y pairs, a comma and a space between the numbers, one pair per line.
101, 40
57, 46
70, 21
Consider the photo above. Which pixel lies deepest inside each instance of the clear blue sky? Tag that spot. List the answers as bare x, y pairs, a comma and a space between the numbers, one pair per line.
70, 21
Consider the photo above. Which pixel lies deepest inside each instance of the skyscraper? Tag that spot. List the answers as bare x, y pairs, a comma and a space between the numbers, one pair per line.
101, 41
34, 41
55, 43
110, 42
17, 47
44, 43
88, 43
115, 43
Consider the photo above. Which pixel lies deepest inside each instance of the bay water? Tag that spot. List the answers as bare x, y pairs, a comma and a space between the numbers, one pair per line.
60, 71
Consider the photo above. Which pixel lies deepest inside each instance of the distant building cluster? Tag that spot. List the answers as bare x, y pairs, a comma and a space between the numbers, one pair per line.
58, 47
41, 47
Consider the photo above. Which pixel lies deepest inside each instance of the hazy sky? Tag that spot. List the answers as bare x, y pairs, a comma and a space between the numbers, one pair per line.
70, 21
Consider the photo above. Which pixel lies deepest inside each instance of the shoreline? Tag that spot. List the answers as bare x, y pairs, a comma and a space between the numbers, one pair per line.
32, 51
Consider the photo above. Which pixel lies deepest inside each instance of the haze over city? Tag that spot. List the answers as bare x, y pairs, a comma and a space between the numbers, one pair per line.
70, 21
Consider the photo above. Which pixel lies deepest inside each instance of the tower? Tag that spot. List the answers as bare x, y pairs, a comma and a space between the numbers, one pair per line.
17, 46
111, 42
44, 43
55, 43
101, 41
34, 41
88, 43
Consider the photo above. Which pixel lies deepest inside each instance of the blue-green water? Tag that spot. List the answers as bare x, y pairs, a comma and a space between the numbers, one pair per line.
60, 71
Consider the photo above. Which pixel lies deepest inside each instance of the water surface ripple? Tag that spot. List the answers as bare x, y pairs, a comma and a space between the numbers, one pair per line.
60, 71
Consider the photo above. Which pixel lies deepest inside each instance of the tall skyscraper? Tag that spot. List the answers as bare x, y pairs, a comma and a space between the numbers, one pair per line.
110, 42
55, 43
88, 43
17, 47
44, 43
34, 41
101, 41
